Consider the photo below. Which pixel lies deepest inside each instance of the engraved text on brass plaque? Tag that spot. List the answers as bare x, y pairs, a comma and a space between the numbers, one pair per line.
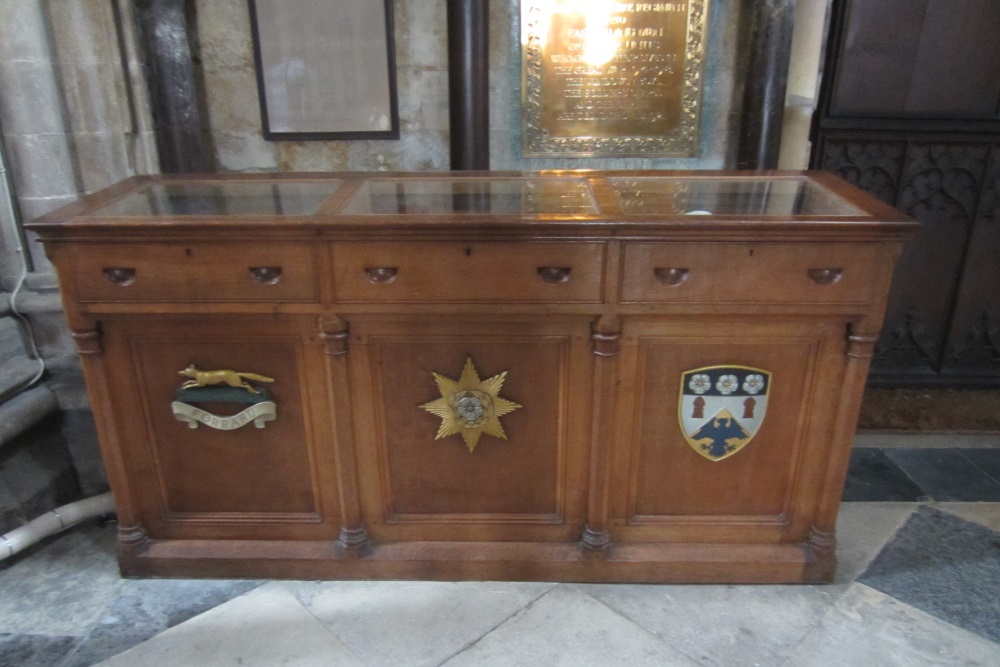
611, 78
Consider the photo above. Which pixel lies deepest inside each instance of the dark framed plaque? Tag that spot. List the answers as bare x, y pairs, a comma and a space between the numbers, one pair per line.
611, 78
325, 68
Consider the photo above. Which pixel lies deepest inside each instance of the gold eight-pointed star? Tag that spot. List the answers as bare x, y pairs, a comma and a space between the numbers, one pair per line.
470, 406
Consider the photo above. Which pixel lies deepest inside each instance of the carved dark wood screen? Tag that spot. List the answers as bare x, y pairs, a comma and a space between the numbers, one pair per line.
911, 113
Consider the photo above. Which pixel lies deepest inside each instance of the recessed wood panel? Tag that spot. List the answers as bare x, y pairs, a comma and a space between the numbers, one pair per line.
519, 476
248, 470
533, 480
201, 476
670, 478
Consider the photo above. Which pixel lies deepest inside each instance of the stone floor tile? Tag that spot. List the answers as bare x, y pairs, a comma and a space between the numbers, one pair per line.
946, 475
146, 607
414, 623
64, 587
34, 650
987, 460
872, 476
568, 627
945, 566
862, 530
922, 440
722, 625
985, 514
866, 627
266, 627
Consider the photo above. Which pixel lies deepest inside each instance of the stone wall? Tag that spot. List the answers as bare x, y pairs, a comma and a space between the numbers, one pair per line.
234, 110
72, 121
422, 79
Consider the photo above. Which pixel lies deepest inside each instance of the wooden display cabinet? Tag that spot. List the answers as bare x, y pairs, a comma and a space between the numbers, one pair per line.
577, 376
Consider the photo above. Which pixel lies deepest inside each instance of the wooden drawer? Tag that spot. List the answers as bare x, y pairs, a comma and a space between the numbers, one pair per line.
196, 272
469, 272
748, 272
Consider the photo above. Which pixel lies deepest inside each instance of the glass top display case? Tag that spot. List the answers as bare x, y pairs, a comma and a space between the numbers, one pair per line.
515, 196
784, 197
222, 198
577, 195
665, 367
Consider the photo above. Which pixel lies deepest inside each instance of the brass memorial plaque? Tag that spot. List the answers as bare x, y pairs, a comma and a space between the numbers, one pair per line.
611, 78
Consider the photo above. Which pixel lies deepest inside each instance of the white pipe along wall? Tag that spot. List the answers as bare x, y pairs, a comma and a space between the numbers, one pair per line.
53, 522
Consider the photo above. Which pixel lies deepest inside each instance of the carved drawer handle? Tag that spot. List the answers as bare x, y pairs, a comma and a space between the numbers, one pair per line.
554, 275
119, 275
266, 275
825, 276
671, 276
381, 274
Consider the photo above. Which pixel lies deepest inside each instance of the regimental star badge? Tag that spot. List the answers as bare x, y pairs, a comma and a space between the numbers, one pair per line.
470, 406
722, 408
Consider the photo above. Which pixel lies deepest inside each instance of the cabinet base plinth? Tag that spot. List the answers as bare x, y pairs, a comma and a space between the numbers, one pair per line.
463, 561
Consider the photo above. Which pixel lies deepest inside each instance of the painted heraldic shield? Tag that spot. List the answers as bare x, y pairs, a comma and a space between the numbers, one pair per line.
722, 408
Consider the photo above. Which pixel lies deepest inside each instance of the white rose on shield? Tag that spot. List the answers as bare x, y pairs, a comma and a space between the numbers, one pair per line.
753, 384
727, 384
700, 383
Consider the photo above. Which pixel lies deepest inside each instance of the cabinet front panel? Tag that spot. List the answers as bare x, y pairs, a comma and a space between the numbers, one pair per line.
438, 486
748, 273
246, 476
469, 272
204, 272
705, 465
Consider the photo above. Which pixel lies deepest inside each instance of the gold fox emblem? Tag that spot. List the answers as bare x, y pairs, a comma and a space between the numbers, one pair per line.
201, 378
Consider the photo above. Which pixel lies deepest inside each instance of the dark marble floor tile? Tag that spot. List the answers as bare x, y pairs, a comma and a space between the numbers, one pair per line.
987, 460
872, 476
61, 586
946, 475
946, 566
34, 650
147, 607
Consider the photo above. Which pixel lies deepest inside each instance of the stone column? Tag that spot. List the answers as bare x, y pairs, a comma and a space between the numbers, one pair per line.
39, 150
182, 135
802, 98
107, 113
768, 25
469, 83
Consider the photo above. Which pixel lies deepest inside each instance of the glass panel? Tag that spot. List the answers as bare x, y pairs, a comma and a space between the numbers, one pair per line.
703, 196
215, 198
496, 196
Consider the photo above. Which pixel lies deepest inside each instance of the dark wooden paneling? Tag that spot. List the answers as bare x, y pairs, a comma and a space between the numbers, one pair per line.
923, 58
870, 55
974, 334
910, 114
939, 186
872, 165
